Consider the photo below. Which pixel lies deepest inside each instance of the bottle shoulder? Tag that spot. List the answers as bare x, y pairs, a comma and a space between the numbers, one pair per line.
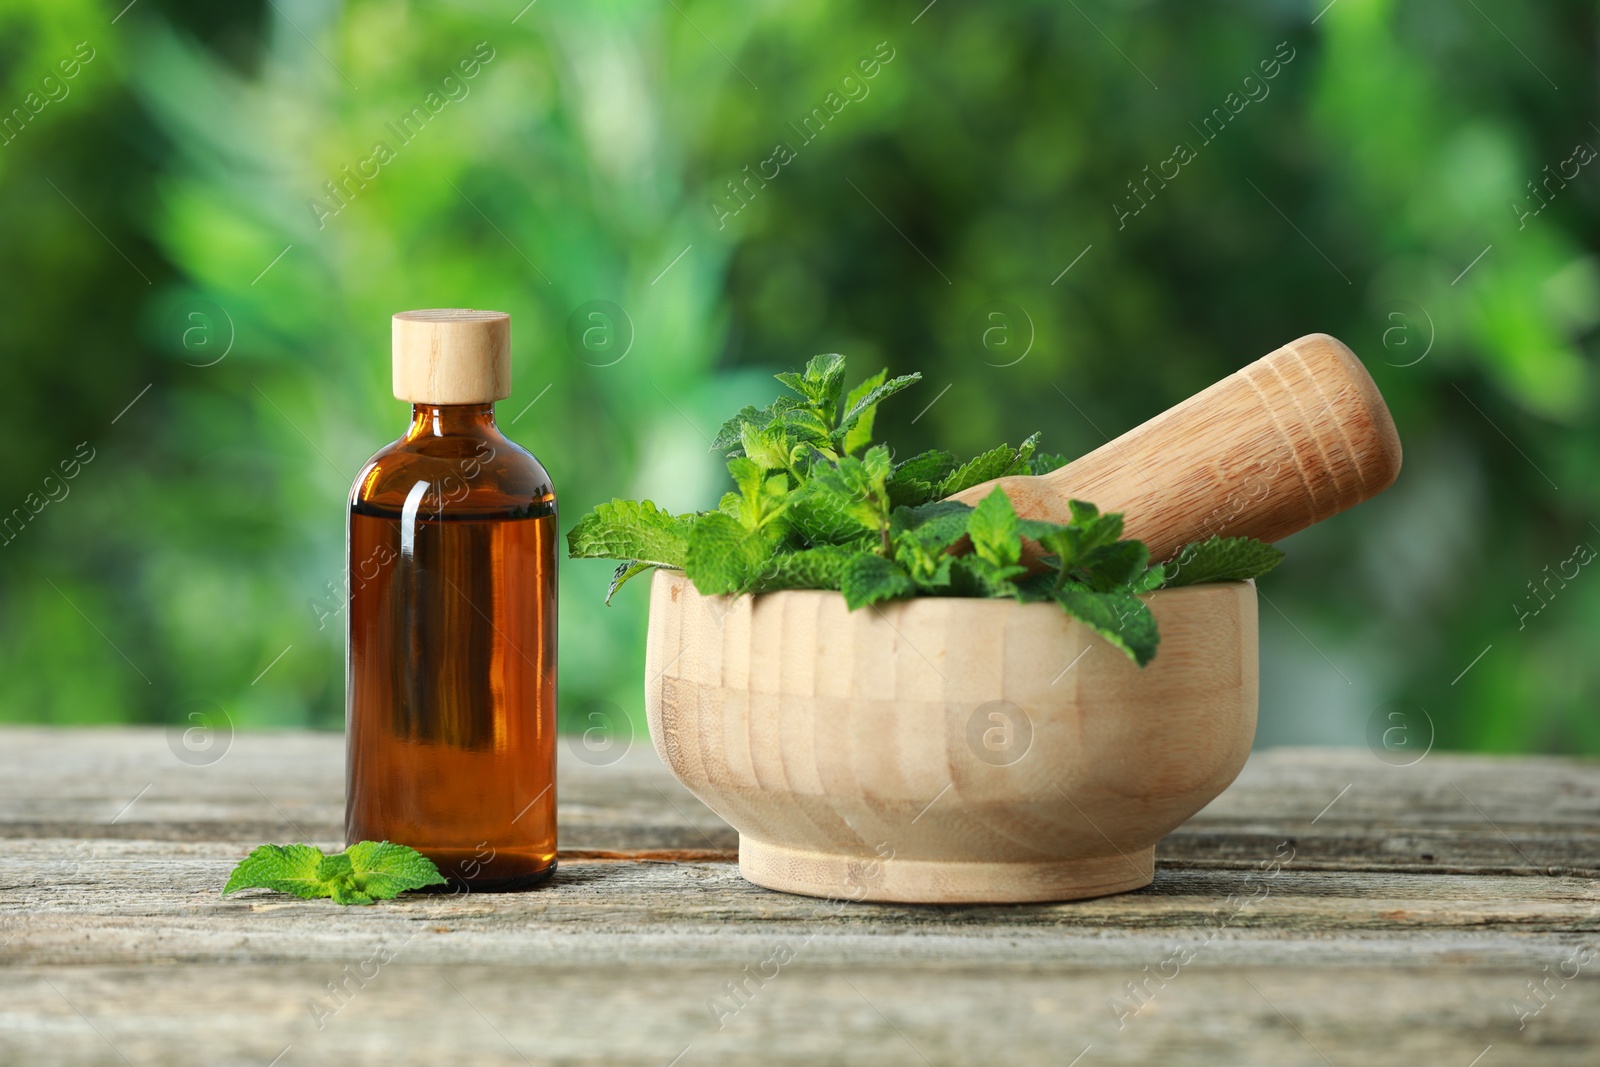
454, 475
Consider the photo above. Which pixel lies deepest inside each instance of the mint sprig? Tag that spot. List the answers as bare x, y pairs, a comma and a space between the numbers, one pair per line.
817, 505
364, 873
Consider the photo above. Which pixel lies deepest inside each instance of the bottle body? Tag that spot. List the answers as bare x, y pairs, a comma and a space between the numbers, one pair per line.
450, 683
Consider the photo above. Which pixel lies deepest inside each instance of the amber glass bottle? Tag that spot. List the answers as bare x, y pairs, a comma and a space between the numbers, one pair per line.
450, 712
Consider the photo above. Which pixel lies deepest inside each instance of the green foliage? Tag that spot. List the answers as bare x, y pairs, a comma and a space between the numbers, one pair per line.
205, 536
364, 873
808, 518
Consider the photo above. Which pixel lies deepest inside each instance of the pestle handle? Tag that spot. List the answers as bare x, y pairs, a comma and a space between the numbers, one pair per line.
1295, 437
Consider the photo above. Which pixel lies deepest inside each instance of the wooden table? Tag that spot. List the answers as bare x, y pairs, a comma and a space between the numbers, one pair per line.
1410, 911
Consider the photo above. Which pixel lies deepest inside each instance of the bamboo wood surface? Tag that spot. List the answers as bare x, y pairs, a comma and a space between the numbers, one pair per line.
1418, 904
1297, 436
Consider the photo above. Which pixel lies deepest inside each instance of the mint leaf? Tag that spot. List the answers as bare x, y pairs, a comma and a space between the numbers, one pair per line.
821, 515
869, 578
1121, 618
931, 466
767, 446
1074, 544
810, 568
724, 556
995, 563
822, 382
922, 537
383, 870
731, 434
1150, 580
985, 577
995, 463
993, 529
284, 868
363, 873
1116, 566
1024, 455
943, 522
857, 487
625, 570
858, 434
915, 480
1045, 462
761, 498
628, 529
1221, 559
977, 470
806, 429
863, 404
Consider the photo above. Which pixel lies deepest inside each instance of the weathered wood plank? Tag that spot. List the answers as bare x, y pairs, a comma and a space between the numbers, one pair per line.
1407, 927
645, 1013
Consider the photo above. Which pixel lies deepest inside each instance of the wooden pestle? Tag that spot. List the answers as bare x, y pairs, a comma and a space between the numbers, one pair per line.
1299, 435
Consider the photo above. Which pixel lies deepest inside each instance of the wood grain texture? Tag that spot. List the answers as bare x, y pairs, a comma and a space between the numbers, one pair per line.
1297, 436
452, 356
1419, 903
943, 749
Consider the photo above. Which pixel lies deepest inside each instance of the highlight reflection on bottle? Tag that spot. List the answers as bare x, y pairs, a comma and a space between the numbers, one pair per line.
450, 711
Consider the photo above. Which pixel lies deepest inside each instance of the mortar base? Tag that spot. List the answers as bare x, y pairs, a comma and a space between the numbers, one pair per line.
842, 876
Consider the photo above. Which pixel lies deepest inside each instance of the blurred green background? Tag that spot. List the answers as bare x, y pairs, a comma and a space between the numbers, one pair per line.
186, 302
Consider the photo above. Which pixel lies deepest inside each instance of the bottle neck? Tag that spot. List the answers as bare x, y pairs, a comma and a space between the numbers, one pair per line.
452, 420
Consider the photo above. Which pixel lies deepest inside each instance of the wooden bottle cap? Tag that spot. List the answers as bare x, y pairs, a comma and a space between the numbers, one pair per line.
452, 356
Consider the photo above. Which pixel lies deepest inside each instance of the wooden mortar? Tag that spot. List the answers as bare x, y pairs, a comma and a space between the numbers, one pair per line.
949, 750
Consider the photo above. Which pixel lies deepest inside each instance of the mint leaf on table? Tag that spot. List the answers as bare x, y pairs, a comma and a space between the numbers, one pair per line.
285, 868
383, 870
363, 873
1221, 559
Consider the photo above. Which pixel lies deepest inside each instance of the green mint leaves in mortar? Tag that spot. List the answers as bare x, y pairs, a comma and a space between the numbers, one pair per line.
817, 505
362, 874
